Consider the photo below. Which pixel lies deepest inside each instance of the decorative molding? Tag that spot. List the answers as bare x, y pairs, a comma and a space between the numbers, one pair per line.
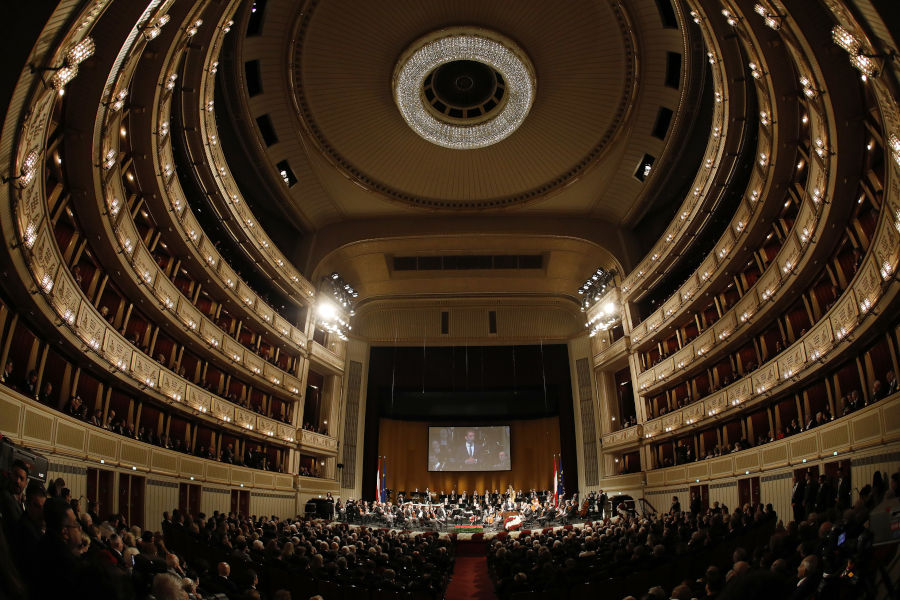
588, 426
351, 424
163, 484
69, 469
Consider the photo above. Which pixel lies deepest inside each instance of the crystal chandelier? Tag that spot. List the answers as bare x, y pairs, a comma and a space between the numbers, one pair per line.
462, 120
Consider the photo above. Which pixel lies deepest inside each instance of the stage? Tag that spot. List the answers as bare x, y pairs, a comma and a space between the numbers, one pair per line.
486, 536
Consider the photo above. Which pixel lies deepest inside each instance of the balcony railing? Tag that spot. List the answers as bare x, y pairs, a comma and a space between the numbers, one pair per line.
622, 437
322, 355
874, 425
30, 423
613, 351
317, 442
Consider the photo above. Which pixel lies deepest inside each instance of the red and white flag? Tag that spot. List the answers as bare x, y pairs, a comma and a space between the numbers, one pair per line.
555, 483
378, 483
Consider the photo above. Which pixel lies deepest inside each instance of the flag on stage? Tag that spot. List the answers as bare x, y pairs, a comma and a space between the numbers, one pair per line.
383, 497
378, 482
562, 482
555, 483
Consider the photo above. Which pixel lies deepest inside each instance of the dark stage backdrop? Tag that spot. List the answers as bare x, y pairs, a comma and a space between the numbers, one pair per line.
405, 444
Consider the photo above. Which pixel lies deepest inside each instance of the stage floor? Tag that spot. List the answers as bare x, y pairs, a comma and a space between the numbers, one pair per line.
485, 535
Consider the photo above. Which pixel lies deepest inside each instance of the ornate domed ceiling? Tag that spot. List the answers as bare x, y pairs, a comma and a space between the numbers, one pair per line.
345, 53
613, 83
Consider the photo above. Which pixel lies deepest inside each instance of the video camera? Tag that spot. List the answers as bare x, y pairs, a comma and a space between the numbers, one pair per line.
11, 452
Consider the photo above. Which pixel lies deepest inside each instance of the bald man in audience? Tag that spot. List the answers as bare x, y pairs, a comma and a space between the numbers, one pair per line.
222, 580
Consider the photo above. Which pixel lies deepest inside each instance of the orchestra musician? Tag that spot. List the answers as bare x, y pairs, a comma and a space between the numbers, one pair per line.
490, 516
474, 508
528, 511
440, 516
548, 513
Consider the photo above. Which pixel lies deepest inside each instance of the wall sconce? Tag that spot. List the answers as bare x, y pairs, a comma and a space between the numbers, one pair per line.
27, 171
772, 19
809, 90
869, 64
66, 72
730, 17
152, 31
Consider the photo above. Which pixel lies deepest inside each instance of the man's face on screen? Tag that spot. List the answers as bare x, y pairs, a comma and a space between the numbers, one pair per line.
470, 437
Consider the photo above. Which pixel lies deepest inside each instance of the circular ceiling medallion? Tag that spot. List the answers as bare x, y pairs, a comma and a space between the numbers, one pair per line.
464, 87
344, 57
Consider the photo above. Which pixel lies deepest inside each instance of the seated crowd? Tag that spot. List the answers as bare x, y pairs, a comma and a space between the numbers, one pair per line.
827, 554
684, 452
51, 549
848, 403
307, 426
254, 458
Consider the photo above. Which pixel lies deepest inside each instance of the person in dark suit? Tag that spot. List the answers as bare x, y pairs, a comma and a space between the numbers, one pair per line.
547, 514
676, 506
891, 386
60, 549
809, 493
696, 504
502, 463
825, 495
28, 530
807, 576
797, 499
844, 490
12, 498
470, 452
437, 459
222, 581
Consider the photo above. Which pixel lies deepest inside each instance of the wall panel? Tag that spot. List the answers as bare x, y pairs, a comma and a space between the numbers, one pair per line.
724, 493
160, 495
775, 489
73, 473
863, 469
214, 499
280, 505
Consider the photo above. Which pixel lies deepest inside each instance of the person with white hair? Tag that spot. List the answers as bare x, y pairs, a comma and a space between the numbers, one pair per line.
128, 556
167, 586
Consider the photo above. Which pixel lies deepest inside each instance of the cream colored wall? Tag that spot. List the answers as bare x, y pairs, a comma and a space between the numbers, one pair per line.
580, 348
358, 351
73, 472
160, 495
273, 503
214, 498
518, 321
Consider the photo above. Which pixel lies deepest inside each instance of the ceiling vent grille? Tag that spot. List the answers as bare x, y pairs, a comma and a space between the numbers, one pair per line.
468, 262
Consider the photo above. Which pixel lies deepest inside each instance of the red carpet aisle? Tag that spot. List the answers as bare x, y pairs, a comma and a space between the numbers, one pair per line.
470, 579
